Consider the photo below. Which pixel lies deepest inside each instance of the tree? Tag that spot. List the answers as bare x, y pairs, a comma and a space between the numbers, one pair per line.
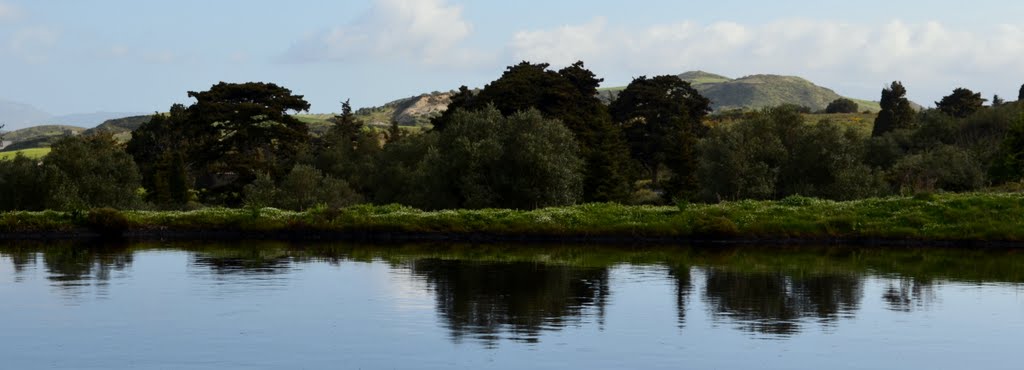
1010, 165
347, 150
24, 184
961, 103
484, 159
662, 119
997, 101
231, 133
896, 111
304, 187
570, 96
93, 171
1020, 95
161, 149
842, 105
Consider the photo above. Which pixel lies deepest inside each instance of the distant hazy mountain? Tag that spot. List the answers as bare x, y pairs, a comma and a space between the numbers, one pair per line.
19, 115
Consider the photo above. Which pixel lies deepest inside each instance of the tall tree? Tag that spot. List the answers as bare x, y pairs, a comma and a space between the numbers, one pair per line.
347, 151
961, 103
1020, 95
662, 119
231, 133
161, 147
896, 113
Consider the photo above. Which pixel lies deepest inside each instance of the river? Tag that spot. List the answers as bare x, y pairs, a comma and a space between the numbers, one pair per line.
266, 305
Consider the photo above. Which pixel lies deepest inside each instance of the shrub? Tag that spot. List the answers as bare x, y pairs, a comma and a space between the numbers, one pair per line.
108, 222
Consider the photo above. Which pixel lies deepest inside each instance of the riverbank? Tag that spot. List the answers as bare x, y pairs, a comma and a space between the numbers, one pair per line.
972, 218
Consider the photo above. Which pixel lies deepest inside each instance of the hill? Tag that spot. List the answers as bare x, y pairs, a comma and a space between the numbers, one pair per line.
34, 132
91, 119
412, 111
756, 91
121, 128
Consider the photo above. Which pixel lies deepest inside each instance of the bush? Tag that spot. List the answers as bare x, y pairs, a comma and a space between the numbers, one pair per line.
108, 222
947, 168
842, 105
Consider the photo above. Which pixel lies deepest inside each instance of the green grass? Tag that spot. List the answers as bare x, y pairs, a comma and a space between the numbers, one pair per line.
31, 153
955, 217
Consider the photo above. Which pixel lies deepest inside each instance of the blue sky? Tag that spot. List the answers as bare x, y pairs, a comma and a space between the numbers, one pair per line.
73, 56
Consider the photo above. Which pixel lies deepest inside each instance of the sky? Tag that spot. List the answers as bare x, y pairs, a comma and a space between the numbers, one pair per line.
78, 56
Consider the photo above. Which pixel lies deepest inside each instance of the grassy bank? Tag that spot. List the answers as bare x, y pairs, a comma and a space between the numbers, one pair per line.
946, 217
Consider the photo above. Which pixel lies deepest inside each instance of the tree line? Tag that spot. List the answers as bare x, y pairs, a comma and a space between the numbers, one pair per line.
534, 137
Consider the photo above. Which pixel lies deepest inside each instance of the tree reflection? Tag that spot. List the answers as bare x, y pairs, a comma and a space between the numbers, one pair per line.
905, 294
684, 286
256, 260
488, 301
774, 303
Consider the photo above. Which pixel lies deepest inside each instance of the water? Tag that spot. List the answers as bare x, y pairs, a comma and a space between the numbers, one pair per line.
280, 306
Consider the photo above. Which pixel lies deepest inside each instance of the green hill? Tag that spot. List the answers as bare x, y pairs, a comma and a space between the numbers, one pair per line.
38, 136
757, 91
121, 128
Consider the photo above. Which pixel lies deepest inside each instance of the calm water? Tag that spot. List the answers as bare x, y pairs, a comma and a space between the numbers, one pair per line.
281, 306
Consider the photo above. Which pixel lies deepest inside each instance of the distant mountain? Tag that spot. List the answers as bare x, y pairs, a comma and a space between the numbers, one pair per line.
19, 115
757, 91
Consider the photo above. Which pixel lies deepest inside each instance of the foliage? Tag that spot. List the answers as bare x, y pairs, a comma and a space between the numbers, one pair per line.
775, 154
303, 188
961, 103
842, 105
662, 119
1010, 165
348, 150
92, 171
107, 221
570, 96
522, 161
24, 184
896, 113
231, 133
944, 168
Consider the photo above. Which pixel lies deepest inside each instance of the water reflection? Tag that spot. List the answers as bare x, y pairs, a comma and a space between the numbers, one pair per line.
491, 301
491, 294
905, 294
776, 303
684, 287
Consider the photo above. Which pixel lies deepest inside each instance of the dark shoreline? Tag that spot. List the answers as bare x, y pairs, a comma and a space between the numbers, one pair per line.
386, 237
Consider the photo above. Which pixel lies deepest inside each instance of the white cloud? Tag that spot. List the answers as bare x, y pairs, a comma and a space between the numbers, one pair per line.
421, 31
9, 12
34, 44
929, 51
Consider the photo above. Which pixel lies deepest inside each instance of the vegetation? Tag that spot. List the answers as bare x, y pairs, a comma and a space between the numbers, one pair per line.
896, 113
961, 103
842, 105
533, 139
973, 216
